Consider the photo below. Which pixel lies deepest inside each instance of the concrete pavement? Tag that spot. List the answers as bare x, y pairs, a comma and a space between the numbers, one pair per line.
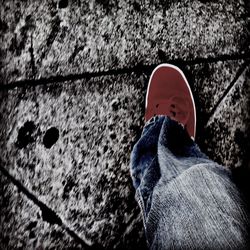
72, 88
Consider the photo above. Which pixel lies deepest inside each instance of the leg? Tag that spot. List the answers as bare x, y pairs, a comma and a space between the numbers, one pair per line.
145, 169
187, 200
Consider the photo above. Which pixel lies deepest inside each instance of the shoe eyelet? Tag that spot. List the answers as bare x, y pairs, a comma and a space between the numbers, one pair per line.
173, 113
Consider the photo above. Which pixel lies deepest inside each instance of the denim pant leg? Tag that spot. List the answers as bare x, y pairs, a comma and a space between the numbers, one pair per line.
187, 200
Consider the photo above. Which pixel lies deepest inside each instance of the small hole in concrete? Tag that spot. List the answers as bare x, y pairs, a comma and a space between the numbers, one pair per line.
50, 137
63, 4
25, 134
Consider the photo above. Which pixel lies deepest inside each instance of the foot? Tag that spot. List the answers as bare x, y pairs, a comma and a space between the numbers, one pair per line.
169, 94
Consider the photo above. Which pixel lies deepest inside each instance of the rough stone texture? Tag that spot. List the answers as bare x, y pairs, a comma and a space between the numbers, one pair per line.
209, 81
69, 143
21, 226
84, 176
227, 136
45, 38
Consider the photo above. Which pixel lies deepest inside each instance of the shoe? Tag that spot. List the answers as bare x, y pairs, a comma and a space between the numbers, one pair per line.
169, 94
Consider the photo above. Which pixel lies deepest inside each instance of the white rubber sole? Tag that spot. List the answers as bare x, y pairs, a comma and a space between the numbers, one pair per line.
185, 79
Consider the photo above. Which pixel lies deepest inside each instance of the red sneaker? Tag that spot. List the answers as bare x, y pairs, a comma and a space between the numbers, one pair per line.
169, 94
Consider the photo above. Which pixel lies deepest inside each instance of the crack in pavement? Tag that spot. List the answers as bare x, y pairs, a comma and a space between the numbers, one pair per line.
224, 95
139, 68
48, 214
32, 57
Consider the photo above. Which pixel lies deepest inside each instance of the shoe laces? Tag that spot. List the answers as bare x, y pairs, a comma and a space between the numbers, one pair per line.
176, 107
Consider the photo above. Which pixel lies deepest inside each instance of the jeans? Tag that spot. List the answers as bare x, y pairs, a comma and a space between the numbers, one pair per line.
187, 200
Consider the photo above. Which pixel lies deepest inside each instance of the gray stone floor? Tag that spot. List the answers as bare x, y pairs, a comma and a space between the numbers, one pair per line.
73, 78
